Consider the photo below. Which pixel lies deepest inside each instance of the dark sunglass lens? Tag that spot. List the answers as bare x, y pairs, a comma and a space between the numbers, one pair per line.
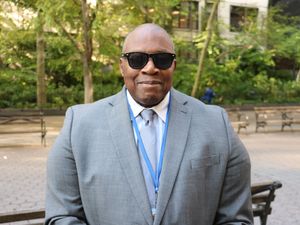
137, 60
163, 60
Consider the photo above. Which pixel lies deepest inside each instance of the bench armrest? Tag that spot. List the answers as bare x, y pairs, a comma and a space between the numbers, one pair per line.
265, 186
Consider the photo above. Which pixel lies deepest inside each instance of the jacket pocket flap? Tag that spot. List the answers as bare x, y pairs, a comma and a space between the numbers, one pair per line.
205, 161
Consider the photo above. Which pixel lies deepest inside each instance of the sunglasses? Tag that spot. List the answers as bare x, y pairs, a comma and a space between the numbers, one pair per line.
137, 60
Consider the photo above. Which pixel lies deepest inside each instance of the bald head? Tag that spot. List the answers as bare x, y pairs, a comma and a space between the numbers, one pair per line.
146, 32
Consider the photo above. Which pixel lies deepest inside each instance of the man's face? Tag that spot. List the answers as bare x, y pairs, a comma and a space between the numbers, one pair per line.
149, 85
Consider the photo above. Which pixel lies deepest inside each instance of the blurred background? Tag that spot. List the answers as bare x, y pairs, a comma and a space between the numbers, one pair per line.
241, 54
57, 53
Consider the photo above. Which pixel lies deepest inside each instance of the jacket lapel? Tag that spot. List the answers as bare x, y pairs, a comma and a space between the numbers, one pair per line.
123, 139
179, 124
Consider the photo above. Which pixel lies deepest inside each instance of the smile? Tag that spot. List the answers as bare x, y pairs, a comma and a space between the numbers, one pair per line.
151, 82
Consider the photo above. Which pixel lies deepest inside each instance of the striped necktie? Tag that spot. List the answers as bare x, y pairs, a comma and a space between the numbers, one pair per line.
148, 134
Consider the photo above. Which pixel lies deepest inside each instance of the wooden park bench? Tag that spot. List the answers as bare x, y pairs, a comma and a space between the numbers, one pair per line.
262, 196
34, 216
238, 119
279, 115
24, 122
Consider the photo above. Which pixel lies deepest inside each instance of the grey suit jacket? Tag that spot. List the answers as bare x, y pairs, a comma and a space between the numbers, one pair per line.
95, 177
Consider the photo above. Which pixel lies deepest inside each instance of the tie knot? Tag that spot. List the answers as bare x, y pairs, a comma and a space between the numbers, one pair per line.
147, 115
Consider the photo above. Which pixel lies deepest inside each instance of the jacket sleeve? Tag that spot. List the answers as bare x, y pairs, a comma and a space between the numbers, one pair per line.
235, 207
63, 201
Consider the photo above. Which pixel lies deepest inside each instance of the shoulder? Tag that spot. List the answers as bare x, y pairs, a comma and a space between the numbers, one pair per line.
210, 118
91, 110
197, 106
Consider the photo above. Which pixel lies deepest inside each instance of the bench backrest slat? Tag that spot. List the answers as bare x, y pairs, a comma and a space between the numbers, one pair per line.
22, 216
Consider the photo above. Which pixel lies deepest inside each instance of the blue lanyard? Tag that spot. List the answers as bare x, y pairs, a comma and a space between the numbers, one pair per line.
155, 176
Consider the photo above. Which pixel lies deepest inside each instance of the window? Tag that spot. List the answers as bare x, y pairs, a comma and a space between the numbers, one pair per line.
241, 17
185, 15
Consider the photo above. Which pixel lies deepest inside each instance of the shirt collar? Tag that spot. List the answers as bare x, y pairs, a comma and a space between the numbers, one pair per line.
161, 109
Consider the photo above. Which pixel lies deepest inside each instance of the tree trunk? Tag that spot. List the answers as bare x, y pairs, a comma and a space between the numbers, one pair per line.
87, 52
298, 76
40, 70
209, 29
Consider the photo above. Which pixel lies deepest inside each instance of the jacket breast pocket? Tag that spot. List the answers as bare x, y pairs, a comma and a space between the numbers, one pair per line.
206, 161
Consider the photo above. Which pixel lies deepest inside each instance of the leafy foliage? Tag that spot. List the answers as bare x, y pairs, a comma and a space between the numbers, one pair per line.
241, 73
244, 71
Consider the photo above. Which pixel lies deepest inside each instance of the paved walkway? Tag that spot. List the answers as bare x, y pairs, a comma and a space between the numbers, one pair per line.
274, 155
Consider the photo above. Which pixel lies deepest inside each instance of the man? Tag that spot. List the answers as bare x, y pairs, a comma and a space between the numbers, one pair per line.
101, 170
208, 96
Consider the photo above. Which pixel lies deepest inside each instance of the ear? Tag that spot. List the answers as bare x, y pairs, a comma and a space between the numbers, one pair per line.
121, 65
175, 63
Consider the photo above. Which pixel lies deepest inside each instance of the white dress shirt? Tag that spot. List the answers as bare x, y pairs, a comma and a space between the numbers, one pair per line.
161, 110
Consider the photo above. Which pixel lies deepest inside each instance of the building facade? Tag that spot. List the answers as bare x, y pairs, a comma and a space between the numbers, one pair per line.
190, 17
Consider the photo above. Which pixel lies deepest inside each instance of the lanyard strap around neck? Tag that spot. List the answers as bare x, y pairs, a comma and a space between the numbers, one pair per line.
154, 174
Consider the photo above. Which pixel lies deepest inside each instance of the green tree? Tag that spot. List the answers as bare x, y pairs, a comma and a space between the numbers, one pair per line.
283, 36
74, 19
244, 69
79, 38
81, 21
31, 23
